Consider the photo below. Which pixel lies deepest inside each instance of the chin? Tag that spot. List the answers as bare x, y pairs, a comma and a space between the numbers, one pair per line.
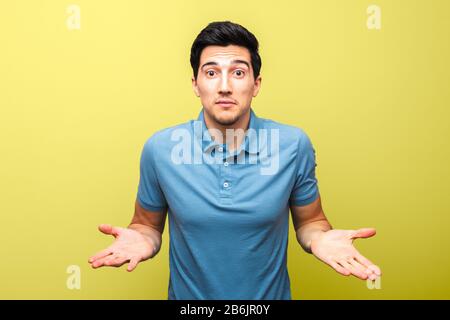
227, 120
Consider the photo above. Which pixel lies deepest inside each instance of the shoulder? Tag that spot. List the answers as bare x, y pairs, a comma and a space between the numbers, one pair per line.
163, 138
289, 135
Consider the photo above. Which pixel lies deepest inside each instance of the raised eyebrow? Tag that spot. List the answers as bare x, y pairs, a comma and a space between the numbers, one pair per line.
212, 63
241, 61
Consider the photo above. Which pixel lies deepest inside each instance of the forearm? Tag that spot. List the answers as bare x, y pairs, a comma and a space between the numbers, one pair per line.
153, 235
310, 231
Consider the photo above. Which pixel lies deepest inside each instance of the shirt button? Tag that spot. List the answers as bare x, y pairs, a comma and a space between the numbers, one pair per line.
225, 164
225, 184
220, 149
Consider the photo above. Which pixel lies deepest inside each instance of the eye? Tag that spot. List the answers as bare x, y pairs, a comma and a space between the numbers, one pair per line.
239, 73
210, 73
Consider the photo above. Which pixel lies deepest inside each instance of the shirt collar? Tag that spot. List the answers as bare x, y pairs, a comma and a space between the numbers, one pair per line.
250, 144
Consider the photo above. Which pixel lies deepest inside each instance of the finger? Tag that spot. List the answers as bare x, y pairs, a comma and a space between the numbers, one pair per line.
375, 269
108, 229
100, 254
102, 261
344, 266
361, 269
353, 270
371, 267
133, 263
112, 261
363, 260
364, 233
373, 277
118, 261
99, 262
340, 269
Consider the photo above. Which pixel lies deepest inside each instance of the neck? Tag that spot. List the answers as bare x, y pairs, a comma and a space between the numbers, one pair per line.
237, 135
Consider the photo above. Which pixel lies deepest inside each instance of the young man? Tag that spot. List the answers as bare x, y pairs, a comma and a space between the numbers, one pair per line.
227, 182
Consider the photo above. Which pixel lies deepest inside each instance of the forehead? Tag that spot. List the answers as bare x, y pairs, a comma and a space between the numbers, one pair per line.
224, 54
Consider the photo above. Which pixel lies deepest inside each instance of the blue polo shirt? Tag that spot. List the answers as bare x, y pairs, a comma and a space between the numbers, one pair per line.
228, 211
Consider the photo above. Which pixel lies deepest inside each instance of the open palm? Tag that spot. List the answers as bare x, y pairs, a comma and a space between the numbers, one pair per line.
130, 246
335, 248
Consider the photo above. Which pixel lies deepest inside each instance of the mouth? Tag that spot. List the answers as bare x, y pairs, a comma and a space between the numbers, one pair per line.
225, 103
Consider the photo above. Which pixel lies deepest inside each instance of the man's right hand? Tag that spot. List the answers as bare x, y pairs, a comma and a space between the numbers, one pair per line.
130, 246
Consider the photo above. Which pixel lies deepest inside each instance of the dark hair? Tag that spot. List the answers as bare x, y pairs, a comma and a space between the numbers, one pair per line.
223, 33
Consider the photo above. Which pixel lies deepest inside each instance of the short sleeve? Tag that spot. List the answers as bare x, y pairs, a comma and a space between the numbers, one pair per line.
150, 195
305, 188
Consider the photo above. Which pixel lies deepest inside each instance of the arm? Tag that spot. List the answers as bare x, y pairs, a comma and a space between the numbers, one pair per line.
334, 247
309, 222
142, 239
150, 224
139, 242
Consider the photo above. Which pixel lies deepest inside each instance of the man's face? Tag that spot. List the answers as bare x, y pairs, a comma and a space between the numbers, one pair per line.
225, 83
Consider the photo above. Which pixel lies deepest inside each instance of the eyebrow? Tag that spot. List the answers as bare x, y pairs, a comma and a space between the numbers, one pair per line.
212, 63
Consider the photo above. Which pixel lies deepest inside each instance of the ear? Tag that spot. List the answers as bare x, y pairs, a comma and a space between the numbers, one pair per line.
195, 87
257, 86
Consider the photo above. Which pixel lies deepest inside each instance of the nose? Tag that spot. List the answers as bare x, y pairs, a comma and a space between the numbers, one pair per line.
225, 87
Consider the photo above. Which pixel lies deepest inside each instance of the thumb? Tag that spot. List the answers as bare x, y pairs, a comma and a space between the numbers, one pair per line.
108, 229
363, 233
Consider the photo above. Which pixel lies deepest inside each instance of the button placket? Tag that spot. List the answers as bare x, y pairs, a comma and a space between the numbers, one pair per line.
226, 181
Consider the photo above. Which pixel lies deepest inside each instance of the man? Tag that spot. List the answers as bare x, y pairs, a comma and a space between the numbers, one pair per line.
228, 192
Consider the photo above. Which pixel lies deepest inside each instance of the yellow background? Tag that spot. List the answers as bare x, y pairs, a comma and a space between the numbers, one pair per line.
77, 105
